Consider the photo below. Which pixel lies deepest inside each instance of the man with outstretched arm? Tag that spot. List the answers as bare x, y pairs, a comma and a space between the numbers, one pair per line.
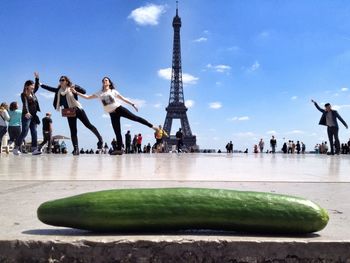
329, 118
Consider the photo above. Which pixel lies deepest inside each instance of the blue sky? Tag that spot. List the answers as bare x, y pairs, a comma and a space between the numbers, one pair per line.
250, 68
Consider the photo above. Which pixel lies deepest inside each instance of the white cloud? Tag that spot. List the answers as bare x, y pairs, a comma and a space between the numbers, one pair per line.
201, 39
242, 118
47, 95
344, 89
296, 132
215, 105
186, 78
294, 97
127, 125
219, 68
244, 134
338, 107
254, 67
147, 15
139, 103
271, 132
165, 73
189, 103
159, 94
105, 115
157, 105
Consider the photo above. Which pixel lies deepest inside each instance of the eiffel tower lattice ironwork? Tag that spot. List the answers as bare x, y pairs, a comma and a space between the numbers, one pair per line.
176, 108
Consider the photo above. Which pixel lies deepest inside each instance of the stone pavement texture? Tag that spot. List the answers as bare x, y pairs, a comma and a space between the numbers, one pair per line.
27, 181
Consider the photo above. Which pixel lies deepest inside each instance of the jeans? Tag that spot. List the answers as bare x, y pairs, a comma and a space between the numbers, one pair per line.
28, 124
333, 132
14, 132
47, 139
115, 118
72, 122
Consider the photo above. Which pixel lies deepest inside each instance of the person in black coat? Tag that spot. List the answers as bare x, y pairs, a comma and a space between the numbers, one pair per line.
65, 98
329, 118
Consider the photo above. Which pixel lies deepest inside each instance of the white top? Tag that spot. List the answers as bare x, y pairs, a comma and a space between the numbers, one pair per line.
109, 99
4, 118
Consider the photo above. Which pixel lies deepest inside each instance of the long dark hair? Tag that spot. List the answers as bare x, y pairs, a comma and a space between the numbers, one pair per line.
69, 82
26, 85
111, 85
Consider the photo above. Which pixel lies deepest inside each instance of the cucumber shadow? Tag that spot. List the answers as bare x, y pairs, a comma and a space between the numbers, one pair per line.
85, 233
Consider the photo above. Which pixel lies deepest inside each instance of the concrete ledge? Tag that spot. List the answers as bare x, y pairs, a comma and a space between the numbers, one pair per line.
181, 251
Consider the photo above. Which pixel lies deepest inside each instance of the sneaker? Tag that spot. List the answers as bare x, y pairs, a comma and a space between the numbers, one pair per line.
36, 152
16, 151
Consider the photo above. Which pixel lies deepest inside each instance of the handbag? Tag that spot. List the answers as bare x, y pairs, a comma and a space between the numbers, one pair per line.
69, 112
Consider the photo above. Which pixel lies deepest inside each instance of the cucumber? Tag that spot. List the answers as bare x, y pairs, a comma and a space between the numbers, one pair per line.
169, 209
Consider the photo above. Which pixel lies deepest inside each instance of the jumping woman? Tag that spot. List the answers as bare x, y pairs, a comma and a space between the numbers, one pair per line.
109, 97
65, 98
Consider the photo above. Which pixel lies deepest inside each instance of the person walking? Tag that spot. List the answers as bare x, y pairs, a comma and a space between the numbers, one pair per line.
47, 133
4, 118
110, 98
261, 145
14, 128
30, 119
273, 144
329, 118
66, 98
128, 142
179, 137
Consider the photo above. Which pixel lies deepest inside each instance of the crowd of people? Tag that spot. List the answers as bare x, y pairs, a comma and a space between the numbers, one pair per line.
18, 123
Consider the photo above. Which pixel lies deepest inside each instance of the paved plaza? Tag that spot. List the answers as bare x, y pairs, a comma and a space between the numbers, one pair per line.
27, 181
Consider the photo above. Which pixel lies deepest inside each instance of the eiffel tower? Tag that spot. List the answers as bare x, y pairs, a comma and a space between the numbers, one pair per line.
176, 108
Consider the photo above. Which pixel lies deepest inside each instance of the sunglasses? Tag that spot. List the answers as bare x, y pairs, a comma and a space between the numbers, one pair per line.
62, 80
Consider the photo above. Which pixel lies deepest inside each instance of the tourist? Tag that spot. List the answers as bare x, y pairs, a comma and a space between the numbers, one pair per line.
303, 147
298, 147
30, 120
255, 150
329, 118
159, 135
110, 98
47, 132
179, 137
284, 148
4, 118
273, 144
139, 143
134, 144
261, 145
105, 148
66, 99
14, 128
127, 142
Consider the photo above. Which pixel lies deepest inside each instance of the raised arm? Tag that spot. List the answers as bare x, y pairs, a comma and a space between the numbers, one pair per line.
317, 107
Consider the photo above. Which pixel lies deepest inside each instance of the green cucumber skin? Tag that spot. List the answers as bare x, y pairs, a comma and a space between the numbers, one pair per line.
168, 209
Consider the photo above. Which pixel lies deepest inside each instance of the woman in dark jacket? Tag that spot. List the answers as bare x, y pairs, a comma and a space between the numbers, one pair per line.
30, 120
64, 98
